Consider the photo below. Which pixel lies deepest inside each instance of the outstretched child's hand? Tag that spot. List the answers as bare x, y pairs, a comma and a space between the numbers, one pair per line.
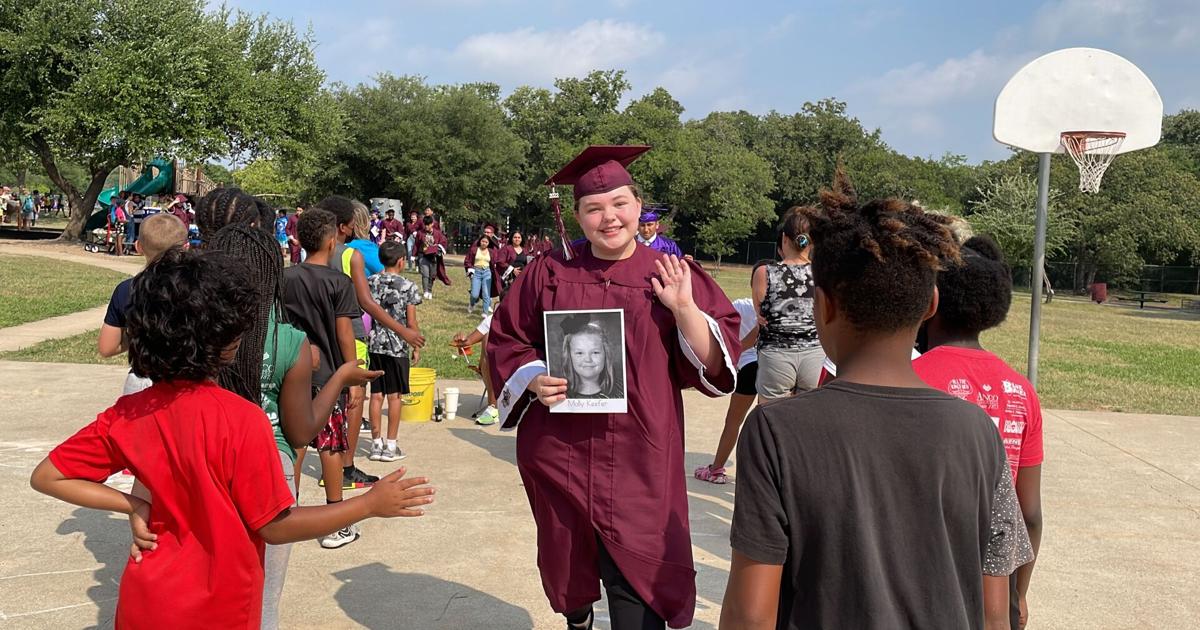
549, 389
355, 375
673, 286
396, 496
459, 341
139, 526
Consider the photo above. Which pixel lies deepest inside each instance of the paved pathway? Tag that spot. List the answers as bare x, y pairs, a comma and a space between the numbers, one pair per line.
1121, 495
31, 333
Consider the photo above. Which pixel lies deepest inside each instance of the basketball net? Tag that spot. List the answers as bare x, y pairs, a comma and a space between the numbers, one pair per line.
1092, 152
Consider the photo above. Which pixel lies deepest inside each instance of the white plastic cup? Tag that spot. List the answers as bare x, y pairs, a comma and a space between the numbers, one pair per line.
451, 402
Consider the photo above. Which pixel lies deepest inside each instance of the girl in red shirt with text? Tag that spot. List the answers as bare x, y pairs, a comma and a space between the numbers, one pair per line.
207, 456
974, 296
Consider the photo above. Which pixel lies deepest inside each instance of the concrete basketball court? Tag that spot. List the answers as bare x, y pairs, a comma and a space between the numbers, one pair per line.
1121, 548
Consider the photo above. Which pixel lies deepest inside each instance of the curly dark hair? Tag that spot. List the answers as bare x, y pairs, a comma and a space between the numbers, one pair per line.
316, 226
880, 259
259, 256
187, 308
341, 207
975, 293
230, 206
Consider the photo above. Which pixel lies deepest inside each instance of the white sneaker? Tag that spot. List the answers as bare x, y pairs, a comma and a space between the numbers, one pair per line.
489, 416
392, 454
428, 295
376, 453
341, 537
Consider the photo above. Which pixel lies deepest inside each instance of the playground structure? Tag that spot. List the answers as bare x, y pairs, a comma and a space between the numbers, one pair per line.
157, 177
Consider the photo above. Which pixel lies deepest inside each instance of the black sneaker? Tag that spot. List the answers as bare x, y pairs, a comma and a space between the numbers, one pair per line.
359, 478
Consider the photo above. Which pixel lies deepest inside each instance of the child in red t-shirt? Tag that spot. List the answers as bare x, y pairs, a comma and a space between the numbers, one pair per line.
206, 455
974, 297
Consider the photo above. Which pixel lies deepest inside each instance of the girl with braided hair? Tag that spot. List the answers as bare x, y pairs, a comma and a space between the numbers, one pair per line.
230, 206
273, 368
873, 501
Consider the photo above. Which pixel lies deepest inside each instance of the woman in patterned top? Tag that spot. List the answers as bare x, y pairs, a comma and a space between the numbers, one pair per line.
789, 353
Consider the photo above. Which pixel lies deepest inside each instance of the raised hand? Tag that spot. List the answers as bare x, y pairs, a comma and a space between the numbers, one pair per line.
549, 389
673, 286
396, 496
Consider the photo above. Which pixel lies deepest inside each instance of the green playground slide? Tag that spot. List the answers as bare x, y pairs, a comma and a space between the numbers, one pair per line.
148, 183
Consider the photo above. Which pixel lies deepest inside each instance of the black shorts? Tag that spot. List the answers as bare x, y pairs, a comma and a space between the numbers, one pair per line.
746, 378
395, 374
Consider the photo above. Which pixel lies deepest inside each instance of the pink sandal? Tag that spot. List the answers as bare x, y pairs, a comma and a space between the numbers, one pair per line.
712, 475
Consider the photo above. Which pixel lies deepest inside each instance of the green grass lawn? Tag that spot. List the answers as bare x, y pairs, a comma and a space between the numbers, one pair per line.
1092, 357
80, 348
34, 287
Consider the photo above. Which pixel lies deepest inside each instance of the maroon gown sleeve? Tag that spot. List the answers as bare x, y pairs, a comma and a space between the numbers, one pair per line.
516, 350
723, 322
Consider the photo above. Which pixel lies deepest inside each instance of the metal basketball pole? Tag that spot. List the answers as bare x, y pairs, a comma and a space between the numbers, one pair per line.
1039, 263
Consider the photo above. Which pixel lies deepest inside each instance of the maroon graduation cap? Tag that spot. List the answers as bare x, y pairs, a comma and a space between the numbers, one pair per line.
598, 169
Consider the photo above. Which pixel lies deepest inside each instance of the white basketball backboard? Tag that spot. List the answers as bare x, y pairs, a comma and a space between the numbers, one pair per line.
1077, 89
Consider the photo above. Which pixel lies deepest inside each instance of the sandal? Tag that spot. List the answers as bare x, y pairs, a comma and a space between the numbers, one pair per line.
712, 475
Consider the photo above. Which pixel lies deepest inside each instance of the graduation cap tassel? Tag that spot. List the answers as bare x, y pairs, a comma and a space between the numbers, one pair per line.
558, 224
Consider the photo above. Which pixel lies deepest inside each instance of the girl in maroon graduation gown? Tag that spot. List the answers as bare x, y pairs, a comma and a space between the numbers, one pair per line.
608, 490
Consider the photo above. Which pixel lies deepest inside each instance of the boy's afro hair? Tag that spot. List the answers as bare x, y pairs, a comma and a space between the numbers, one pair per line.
975, 294
879, 259
187, 307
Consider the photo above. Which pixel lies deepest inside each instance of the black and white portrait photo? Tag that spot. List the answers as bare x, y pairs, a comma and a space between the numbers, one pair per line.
588, 349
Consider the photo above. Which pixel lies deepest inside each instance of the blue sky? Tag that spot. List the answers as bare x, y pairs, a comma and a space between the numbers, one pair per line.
925, 72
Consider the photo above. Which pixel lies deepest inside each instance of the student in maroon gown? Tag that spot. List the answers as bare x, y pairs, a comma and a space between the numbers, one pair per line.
608, 491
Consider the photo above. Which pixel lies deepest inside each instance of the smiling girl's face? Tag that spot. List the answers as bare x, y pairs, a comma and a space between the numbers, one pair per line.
609, 221
587, 355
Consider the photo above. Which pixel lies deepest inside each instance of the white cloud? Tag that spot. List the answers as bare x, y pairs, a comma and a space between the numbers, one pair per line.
536, 56
922, 85
1130, 23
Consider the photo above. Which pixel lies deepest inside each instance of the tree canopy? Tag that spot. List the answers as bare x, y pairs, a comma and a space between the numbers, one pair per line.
194, 83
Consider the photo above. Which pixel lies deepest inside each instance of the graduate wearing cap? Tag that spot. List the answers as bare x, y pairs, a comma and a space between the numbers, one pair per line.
608, 491
648, 234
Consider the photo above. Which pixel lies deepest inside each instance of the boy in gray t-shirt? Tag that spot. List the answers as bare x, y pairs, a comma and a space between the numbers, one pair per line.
388, 351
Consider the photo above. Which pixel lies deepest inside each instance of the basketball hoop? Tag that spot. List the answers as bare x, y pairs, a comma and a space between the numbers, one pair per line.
1092, 151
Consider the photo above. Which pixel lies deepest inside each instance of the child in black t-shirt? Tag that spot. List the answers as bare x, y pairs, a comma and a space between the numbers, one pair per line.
873, 502
320, 301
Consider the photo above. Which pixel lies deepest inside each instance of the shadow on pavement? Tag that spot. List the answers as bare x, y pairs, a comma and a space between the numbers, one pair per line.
377, 597
501, 447
108, 539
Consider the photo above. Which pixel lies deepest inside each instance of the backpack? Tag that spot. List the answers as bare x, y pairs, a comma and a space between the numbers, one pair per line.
27, 205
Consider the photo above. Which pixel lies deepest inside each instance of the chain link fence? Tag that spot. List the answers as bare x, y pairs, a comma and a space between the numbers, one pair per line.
1073, 277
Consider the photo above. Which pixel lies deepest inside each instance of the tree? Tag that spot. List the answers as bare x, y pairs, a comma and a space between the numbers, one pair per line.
195, 84
1006, 211
219, 174
720, 187
444, 146
263, 177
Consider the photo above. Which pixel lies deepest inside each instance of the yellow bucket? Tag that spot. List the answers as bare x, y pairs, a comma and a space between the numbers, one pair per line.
418, 403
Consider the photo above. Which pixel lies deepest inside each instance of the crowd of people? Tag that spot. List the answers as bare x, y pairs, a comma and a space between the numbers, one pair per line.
25, 207
874, 490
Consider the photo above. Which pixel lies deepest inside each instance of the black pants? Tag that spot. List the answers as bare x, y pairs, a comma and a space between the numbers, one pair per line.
428, 267
627, 610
